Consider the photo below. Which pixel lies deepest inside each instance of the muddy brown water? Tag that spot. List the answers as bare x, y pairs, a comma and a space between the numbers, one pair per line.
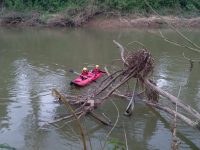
34, 61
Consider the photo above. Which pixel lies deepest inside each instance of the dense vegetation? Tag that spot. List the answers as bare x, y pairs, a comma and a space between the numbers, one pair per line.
122, 5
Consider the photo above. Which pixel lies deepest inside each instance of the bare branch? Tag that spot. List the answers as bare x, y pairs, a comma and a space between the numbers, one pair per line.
121, 48
172, 27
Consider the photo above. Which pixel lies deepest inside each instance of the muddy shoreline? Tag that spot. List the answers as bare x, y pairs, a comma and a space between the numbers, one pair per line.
97, 20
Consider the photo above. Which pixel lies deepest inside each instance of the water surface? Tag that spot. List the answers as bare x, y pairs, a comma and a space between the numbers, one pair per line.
34, 61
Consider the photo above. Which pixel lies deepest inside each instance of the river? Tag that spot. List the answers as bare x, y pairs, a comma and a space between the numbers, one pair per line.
33, 61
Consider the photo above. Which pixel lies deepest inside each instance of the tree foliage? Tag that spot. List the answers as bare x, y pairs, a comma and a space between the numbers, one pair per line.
42, 5
122, 5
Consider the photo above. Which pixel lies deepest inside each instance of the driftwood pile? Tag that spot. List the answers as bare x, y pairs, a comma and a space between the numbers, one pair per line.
137, 66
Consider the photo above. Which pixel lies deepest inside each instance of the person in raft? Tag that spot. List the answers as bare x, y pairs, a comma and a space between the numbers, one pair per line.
84, 73
96, 70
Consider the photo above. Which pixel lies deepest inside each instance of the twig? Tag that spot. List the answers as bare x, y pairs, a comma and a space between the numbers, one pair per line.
106, 117
177, 44
107, 136
65, 102
125, 137
190, 60
131, 104
63, 118
137, 42
64, 124
106, 70
179, 33
193, 60
115, 121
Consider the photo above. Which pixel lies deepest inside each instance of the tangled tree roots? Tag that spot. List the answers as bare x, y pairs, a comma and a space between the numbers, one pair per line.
140, 64
142, 60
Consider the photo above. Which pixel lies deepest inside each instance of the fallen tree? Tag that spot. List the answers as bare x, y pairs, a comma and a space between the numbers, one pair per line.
149, 84
137, 66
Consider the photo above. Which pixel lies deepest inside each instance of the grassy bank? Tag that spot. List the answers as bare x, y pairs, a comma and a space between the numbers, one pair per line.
74, 13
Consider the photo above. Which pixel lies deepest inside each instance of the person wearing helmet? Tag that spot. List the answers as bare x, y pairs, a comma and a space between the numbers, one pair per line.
96, 70
84, 73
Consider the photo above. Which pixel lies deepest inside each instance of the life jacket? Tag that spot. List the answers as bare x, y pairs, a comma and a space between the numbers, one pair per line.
84, 73
95, 70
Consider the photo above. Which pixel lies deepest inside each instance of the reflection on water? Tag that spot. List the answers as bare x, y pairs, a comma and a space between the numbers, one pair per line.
34, 61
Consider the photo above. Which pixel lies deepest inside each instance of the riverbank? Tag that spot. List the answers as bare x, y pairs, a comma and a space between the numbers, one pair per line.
95, 19
144, 22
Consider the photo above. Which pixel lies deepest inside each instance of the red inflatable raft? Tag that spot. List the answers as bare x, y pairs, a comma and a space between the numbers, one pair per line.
91, 77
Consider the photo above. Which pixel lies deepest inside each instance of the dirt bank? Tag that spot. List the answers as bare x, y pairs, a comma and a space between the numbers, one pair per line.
143, 22
93, 19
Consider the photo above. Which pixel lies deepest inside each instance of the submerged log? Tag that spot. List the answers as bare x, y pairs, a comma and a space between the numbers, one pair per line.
174, 99
173, 112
